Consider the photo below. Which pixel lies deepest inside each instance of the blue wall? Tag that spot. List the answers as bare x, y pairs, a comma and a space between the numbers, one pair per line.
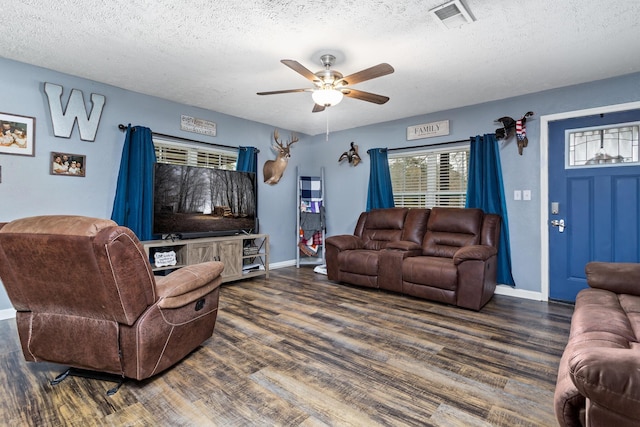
28, 189
347, 185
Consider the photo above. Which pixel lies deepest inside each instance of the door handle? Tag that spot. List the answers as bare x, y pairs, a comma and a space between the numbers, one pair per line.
558, 223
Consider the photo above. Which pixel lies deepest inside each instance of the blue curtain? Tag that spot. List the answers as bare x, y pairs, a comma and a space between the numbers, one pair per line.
247, 159
133, 204
485, 190
380, 193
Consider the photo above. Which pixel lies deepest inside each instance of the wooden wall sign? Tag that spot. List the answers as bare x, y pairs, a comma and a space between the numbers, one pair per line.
201, 126
428, 130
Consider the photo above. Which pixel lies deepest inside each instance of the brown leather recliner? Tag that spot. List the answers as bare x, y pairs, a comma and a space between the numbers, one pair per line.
86, 297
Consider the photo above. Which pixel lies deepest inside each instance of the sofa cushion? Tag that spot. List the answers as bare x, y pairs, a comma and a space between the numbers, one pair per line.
449, 229
618, 277
435, 272
631, 305
599, 312
359, 261
383, 226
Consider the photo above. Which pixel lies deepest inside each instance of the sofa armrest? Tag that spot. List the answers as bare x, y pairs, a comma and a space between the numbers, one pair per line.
410, 248
474, 252
345, 242
188, 284
617, 277
477, 273
609, 377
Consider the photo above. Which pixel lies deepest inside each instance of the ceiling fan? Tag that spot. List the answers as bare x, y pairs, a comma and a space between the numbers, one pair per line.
330, 85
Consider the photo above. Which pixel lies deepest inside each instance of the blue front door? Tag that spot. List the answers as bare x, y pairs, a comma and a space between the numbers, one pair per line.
593, 211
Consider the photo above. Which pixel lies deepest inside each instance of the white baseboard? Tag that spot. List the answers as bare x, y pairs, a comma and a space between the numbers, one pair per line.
7, 313
282, 264
518, 293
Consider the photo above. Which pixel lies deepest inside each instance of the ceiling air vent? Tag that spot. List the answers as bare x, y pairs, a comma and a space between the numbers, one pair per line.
452, 14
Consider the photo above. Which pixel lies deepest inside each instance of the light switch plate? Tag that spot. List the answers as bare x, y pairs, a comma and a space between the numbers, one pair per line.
526, 194
517, 195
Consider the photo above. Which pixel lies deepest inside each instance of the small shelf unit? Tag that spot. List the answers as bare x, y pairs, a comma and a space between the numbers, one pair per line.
310, 220
243, 255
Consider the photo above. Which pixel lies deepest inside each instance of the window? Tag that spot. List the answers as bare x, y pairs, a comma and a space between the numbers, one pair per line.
194, 155
430, 178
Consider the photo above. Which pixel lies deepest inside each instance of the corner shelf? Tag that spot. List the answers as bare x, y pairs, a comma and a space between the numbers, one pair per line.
317, 198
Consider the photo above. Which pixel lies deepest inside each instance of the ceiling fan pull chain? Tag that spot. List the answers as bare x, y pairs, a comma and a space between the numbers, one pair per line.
326, 112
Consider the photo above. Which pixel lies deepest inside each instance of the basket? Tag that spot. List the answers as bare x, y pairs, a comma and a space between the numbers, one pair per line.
250, 250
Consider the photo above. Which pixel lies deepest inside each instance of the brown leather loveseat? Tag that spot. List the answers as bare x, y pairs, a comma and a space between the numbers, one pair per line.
442, 254
598, 380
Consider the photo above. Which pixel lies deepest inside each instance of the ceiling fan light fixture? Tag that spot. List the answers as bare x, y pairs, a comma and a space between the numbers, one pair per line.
327, 97
330, 86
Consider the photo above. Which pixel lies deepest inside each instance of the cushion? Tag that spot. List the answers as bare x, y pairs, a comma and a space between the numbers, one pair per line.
449, 229
359, 261
430, 271
383, 226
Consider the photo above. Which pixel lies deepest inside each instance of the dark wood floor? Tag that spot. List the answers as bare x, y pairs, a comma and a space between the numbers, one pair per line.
298, 350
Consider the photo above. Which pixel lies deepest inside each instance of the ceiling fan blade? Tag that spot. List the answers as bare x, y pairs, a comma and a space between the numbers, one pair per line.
300, 69
317, 108
368, 74
365, 96
276, 92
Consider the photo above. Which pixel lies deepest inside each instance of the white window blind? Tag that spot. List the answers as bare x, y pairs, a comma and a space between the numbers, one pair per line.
183, 154
430, 178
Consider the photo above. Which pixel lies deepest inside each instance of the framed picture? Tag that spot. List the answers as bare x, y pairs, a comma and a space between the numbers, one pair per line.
68, 164
17, 135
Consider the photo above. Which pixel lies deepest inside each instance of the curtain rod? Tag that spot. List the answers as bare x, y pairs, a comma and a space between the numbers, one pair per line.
429, 145
124, 128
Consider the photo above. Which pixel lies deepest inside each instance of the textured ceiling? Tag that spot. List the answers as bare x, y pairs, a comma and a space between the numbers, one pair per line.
218, 54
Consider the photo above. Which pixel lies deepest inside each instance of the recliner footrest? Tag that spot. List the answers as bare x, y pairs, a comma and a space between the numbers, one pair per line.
102, 376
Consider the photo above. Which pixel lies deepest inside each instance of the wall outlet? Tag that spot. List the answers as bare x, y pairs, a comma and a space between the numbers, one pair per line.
526, 194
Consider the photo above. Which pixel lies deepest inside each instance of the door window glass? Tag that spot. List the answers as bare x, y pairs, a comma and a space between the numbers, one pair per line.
602, 146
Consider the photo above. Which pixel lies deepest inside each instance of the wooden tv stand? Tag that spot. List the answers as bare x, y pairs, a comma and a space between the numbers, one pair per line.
243, 255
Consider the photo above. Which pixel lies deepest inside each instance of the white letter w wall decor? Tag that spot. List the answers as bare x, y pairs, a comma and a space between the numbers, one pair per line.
63, 121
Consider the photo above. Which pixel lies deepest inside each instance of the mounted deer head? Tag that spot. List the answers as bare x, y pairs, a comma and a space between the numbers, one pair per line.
273, 169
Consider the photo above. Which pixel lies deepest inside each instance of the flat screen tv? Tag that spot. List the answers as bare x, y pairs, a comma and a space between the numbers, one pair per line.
190, 201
